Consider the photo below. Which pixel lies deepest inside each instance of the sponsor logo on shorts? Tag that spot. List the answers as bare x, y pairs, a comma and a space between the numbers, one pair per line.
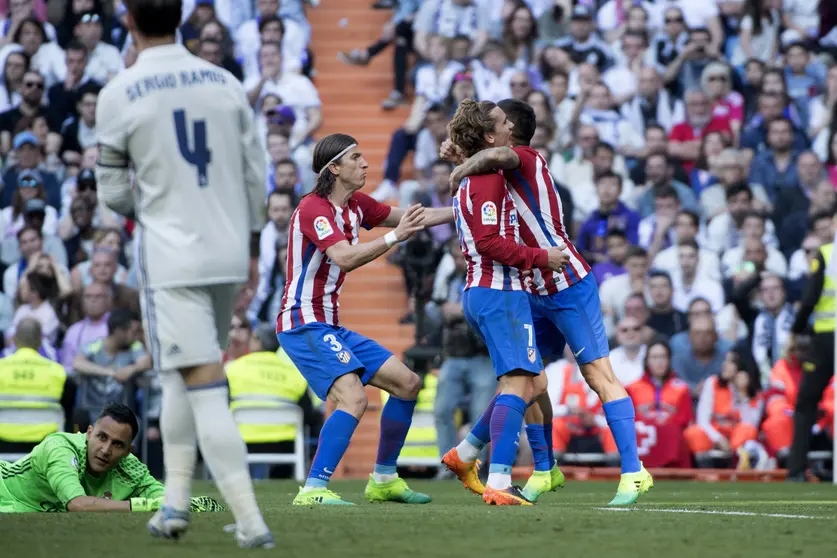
322, 227
489, 213
344, 357
532, 355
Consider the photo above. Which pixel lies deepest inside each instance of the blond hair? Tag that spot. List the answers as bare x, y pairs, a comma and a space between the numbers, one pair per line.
471, 123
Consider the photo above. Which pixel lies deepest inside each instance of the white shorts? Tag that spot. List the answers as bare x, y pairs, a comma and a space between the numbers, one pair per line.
187, 326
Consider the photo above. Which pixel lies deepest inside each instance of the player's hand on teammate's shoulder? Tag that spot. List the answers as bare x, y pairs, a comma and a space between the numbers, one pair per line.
557, 258
411, 222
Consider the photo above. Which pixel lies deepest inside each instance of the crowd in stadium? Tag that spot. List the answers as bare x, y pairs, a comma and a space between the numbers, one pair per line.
694, 145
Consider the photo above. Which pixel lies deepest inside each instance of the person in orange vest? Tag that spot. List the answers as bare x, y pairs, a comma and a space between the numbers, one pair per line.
826, 423
728, 413
577, 410
663, 407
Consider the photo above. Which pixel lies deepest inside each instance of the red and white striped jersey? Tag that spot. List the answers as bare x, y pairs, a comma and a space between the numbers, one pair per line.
541, 220
314, 281
486, 221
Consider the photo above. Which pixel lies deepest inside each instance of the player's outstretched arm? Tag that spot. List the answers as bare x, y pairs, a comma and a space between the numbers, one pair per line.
93, 504
349, 257
432, 216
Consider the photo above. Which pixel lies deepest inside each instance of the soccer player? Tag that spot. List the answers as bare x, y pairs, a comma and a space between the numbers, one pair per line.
323, 246
495, 301
187, 131
86, 472
565, 306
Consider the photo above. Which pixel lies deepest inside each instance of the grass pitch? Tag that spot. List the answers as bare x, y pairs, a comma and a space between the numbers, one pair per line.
677, 519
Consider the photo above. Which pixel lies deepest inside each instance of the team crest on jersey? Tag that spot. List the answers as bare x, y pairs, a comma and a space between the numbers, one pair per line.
489, 213
344, 357
322, 227
532, 354
74, 462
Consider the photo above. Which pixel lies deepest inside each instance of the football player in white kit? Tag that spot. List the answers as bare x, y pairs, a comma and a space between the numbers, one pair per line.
185, 130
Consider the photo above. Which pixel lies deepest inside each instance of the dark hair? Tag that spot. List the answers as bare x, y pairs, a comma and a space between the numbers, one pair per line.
744, 364
604, 145
656, 127
289, 193
287, 162
522, 115
442, 162
699, 30
616, 233
638, 34
658, 273
34, 21
756, 12
666, 191
75, 45
609, 174
780, 119
18, 201
688, 242
755, 214
636, 252
664, 345
89, 88
738, 188
436, 107
121, 318
121, 414
508, 36
45, 286
819, 215
271, 19
691, 215
156, 18
29, 228
325, 150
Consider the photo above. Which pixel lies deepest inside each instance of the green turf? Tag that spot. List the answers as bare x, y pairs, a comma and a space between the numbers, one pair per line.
566, 524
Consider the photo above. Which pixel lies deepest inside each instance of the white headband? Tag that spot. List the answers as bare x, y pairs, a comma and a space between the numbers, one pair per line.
336, 157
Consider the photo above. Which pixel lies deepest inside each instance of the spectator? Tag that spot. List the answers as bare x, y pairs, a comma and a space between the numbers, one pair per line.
611, 214
103, 262
434, 192
687, 226
36, 304
451, 18
616, 290
29, 158
704, 173
107, 369
725, 230
664, 318
628, 358
698, 352
688, 285
685, 71
34, 41
286, 178
770, 107
622, 78
821, 107
716, 82
96, 304
790, 200
769, 326
730, 169
256, 32
203, 12
492, 74
29, 188
781, 396
31, 97
582, 44
636, 307
656, 141
11, 83
753, 230
815, 219
50, 270
662, 401
280, 206
659, 172
398, 32
805, 78
728, 412
519, 35
34, 215
598, 110
214, 30
238, 342
617, 250
562, 107
104, 60
656, 232
30, 242
79, 247
776, 168
63, 97
79, 133
581, 174
685, 138
669, 43
758, 33
653, 105
210, 50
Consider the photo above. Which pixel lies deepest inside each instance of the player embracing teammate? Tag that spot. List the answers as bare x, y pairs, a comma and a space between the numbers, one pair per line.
564, 304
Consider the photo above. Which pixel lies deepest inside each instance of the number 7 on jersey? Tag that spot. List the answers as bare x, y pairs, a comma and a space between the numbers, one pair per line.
200, 156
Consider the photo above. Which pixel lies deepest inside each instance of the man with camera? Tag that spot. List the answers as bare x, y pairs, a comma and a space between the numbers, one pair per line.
466, 368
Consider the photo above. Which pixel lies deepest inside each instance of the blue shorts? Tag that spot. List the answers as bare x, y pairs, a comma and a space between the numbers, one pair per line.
571, 317
323, 353
504, 322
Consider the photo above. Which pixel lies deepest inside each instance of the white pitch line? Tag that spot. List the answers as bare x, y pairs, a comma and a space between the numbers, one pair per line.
715, 512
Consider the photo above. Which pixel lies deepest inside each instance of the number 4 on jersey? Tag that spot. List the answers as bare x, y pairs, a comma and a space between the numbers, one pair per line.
200, 156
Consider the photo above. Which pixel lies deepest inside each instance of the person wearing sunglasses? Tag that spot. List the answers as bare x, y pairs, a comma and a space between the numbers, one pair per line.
29, 187
31, 104
104, 61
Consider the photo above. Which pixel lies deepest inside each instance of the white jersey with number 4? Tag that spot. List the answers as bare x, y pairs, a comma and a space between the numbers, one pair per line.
186, 131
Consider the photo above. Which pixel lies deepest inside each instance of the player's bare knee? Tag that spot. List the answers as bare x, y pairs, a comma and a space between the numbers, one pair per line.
409, 388
355, 403
539, 384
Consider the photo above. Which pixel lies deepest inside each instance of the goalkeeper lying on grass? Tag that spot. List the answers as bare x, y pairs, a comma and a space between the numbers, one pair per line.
87, 472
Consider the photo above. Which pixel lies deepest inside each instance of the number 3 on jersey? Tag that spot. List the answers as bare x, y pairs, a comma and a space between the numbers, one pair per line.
200, 156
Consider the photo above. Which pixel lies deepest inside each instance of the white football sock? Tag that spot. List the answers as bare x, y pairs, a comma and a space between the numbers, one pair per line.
467, 451
500, 481
381, 477
180, 449
226, 455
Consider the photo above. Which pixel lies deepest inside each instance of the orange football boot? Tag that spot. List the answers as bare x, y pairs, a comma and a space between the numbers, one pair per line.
510, 496
465, 471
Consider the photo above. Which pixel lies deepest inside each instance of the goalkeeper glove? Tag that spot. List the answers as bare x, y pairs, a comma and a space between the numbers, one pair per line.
205, 504
146, 504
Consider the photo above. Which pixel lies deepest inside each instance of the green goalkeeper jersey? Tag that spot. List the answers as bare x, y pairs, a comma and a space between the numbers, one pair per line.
56, 472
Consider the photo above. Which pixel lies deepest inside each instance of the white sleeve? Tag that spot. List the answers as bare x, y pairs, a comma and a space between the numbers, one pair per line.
112, 166
706, 402
254, 163
424, 81
307, 91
